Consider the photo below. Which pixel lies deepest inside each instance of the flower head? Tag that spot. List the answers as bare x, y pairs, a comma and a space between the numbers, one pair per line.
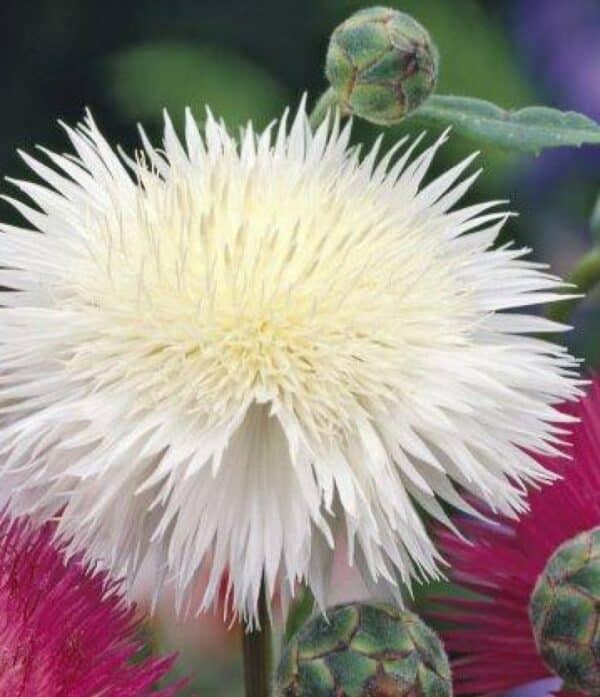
216, 354
65, 630
494, 633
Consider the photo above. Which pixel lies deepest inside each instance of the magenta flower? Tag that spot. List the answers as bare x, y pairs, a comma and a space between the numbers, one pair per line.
65, 631
491, 634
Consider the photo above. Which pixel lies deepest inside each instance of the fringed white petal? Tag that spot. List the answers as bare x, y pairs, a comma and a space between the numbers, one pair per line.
221, 355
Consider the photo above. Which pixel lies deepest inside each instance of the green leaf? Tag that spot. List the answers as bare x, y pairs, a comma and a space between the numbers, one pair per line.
147, 78
528, 130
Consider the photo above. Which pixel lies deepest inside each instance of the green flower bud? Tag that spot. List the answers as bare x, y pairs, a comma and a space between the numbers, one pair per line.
364, 651
565, 613
382, 64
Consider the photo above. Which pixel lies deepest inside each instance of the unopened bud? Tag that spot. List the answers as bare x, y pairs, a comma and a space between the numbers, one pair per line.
382, 64
565, 613
364, 651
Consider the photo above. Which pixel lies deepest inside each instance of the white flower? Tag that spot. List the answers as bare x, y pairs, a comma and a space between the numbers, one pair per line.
220, 354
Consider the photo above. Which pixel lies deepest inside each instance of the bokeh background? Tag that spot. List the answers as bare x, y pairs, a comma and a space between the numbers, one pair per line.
128, 59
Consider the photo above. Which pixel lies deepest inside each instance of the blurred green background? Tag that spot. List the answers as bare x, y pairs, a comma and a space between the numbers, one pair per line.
128, 59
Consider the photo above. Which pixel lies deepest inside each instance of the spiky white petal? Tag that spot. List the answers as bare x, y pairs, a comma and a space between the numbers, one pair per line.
219, 353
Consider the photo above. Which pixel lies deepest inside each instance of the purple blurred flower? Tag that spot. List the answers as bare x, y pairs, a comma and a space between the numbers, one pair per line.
561, 42
558, 41
539, 688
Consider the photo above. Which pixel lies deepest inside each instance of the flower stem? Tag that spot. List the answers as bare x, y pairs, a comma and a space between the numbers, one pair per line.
326, 103
595, 222
585, 276
300, 610
257, 653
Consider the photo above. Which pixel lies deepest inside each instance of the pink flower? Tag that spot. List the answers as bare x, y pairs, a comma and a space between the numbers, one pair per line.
65, 630
501, 561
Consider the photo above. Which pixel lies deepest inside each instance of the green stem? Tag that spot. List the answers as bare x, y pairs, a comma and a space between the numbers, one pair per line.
585, 276
595, 222
257, 653
327, 101
300, 610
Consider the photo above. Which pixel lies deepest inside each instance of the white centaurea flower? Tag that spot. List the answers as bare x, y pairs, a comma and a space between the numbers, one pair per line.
219, 354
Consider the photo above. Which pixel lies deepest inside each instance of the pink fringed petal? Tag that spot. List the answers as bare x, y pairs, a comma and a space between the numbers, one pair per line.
65, 631
490, 631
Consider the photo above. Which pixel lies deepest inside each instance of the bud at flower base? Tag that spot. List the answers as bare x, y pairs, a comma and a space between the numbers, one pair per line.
364, 651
